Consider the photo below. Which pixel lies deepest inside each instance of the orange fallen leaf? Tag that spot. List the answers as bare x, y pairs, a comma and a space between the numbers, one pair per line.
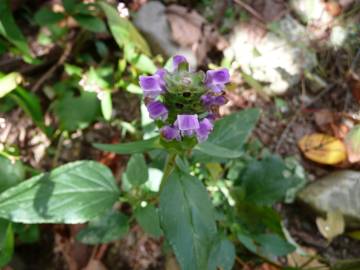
323, 148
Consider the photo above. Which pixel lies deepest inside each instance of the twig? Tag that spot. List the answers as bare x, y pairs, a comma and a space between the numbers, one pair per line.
286, 130
60, 62
251, 10
101, 252
298, 113
240, 261
353, 65
307, 262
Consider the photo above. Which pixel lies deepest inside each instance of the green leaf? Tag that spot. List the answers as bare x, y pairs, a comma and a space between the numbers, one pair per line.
73, 193
248, 242
77, 112
27, 233
102, 49
217, 151
148, 219
230, 132
274, 244
132, 147
249, 214
45, 16
70, 5
104, 229
90, 22
187, 219
134, 89
10, 30
123, 31
141, 61
264, 182
9, 82
222, 255
137, 171
106, 105
11, 173
144, 64
30, 103
6, 242
268, 245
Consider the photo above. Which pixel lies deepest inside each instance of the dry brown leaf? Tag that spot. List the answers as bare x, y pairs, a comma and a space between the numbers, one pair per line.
295, 259
270, 10
355, 88
75, 254
95, 265
323, 118
323, 148
189, 29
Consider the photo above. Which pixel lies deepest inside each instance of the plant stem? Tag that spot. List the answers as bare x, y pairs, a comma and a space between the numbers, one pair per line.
169, 166
58, 150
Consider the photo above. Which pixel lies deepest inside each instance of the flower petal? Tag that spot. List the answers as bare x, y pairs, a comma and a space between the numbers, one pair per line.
170, 133
216, 88
188, 122
157, 110
204, 130
161, 72
177, 60
219, 76
211, 100
151, 85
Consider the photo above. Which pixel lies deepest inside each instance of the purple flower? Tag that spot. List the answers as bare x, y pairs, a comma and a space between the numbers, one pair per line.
211, 117
211, 100
178, 122
204, 130
157, 110
170, 133
161, 72
187, 122
177, 60
220, 76
151, 85
217, 88
216, 79
206, 100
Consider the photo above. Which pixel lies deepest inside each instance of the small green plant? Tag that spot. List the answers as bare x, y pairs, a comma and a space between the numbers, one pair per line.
211, 197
